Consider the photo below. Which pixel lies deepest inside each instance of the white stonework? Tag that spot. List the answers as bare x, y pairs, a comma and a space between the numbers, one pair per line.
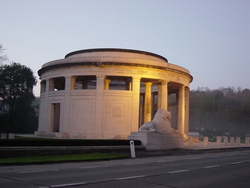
160, 123
109, 93
158, 141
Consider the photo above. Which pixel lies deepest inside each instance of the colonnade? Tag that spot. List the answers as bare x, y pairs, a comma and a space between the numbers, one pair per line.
183, 103
110, 92
102, 83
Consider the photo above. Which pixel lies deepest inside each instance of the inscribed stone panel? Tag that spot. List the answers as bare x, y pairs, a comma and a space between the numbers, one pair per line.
117, 115
82, 116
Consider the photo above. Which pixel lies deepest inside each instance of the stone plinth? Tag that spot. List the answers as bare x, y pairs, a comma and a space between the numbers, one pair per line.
158, 141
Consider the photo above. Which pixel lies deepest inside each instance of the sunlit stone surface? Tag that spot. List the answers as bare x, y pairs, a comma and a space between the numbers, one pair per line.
109, 93
158, 133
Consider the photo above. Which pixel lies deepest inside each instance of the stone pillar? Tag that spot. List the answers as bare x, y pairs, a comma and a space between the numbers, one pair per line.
225, 140
45, 120
231, 141
237, 141
164, 95
186, 123
147, 103
218, 141
135, 104
247, 140
100, 85
44, 117
159, 96
51, 85
181, 110
106, 84
128, 85
65, 107
42, 87
73, 82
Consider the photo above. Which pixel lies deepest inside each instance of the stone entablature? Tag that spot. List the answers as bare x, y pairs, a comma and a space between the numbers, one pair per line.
108, 93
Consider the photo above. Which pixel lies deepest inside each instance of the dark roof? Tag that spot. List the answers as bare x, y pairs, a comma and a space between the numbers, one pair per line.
115, 50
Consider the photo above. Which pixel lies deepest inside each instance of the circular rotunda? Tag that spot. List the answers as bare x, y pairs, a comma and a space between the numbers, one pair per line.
108, 93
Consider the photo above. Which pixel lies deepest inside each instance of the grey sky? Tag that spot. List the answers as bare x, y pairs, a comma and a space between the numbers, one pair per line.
211, 38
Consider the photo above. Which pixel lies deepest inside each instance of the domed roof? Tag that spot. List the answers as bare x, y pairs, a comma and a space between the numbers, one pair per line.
80, 52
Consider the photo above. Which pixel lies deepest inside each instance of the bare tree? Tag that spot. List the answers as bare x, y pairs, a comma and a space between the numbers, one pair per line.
2, 56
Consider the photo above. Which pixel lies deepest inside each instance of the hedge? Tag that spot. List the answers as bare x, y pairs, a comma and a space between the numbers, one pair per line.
66, 142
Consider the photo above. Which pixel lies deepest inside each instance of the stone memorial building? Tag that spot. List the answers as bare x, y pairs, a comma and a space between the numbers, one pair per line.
108, 93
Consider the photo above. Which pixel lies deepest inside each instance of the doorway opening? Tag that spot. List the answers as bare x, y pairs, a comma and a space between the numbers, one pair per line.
55, 117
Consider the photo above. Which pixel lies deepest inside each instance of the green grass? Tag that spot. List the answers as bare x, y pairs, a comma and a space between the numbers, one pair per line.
61, 158
31, 138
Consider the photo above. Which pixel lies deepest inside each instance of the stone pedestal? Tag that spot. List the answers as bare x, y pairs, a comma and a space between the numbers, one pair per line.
158, 141
45, 134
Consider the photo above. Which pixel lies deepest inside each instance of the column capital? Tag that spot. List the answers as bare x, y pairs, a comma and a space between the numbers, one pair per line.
164, 82
136, 77
67, 77
100, 76
106, 83
147, 83
182, 86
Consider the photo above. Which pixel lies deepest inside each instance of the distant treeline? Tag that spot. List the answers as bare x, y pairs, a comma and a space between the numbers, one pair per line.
224, 111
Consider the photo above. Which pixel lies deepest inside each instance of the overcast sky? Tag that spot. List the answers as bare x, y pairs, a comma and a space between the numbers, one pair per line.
211, 38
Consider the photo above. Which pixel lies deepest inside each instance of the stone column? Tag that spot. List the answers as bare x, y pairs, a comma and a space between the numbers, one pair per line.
73, 82
128, 85
135, 104
44, 110
164, 95
65, 108
181, 110
186, 123
147, 103
51, 85
100, 85
106, 85
42, 87
159, 96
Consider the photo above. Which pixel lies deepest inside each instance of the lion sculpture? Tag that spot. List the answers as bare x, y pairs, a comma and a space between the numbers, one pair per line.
160, 123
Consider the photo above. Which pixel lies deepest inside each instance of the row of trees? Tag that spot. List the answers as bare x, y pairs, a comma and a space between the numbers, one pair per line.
16, 96
220, 111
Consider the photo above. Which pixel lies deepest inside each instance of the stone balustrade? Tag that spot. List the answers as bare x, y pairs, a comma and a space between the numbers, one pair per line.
221, 141
4, 136
231, 142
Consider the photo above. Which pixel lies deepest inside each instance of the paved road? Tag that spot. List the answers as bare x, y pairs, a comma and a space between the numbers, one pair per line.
222, 169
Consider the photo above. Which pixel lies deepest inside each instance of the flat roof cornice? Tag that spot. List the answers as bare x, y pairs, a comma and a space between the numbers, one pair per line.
100, 64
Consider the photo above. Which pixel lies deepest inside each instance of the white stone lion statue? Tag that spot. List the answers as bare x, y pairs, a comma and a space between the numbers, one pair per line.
160, 123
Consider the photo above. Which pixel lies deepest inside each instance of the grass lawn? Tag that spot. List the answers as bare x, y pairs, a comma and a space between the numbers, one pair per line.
61, 158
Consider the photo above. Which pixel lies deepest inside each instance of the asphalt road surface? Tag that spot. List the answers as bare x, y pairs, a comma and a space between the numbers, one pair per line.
222, 169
